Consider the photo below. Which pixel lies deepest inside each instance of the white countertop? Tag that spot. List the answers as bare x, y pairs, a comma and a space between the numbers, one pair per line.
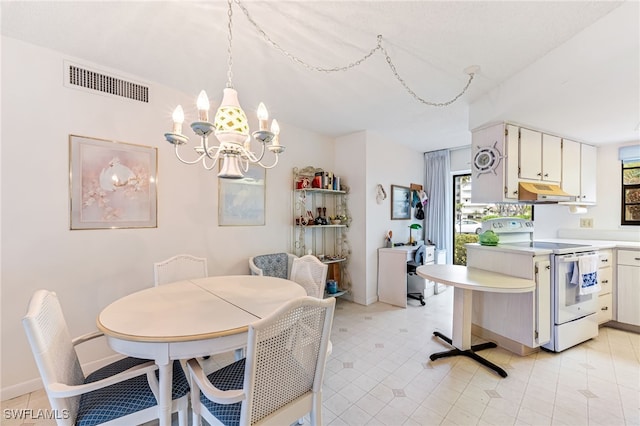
597, 244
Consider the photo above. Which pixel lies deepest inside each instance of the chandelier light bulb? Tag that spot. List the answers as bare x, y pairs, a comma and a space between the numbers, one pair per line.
178, 119
203, 106
275, 129
263, 116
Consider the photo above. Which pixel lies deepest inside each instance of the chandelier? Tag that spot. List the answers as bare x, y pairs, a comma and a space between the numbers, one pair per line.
230, 128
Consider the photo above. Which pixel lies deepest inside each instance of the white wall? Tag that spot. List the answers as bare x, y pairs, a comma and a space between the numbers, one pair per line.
91, 268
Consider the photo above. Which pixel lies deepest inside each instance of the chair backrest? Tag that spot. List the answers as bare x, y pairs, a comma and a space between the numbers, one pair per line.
421, 253
53, 348
286, 357
180, 267
272, 265
311, 274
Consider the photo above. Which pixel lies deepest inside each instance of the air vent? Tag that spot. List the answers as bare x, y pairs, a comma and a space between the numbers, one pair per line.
82, 77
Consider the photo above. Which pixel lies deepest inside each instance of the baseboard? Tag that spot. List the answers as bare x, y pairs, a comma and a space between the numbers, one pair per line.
18, 389
622, 326
504, 342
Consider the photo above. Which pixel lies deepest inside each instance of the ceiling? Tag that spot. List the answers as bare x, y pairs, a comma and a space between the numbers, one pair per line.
184, 45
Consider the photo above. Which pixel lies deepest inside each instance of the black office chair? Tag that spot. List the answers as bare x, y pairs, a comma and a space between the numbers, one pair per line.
415, 283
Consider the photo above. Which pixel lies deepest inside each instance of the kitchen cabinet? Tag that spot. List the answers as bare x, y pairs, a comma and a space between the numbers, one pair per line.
605, 297
579, 171
518, 322
392, 272
320, 219
628, 287
495, 164
540, 156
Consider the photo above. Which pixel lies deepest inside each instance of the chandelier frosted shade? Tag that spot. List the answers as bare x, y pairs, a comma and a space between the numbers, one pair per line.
231, 119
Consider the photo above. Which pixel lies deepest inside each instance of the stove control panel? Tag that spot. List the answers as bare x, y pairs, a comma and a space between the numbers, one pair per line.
508, 225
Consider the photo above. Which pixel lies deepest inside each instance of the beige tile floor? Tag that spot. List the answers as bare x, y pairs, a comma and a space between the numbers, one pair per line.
380, 374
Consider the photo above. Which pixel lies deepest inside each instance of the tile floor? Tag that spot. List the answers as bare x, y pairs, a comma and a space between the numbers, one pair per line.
380, 374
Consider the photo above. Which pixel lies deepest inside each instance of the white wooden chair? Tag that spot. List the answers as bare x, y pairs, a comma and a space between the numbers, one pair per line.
180, 267
124, 392
281, 378
272, 265
311, 274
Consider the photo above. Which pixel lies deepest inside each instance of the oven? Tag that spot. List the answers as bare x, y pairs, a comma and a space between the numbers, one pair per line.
573, 315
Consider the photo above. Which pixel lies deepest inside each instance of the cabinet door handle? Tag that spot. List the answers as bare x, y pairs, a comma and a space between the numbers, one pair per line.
546, 175
539, 174
548, 267
636, 258
605, 281
604, 260
604, 308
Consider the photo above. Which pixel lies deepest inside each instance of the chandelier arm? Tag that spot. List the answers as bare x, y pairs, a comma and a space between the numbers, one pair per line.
271, 166
200, 157
215, 161
252, 157
207, 149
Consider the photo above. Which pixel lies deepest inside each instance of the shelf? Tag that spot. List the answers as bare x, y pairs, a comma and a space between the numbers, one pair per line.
321, 226
320, 190
327, 261
338, 294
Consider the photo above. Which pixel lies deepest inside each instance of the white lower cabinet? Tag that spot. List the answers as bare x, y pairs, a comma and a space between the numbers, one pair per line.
628, 287
605, 298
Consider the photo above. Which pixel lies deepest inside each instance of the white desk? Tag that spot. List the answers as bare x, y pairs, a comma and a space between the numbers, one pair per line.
465, 281
392, 272
190, 319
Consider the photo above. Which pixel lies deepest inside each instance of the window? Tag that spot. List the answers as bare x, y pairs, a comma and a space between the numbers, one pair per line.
630, 193
468, 217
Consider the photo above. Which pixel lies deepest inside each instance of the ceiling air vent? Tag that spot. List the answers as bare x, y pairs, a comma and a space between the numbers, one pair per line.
82, 77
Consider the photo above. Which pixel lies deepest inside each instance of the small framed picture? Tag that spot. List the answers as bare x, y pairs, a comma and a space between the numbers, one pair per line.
400, 202
112, 184
241, 202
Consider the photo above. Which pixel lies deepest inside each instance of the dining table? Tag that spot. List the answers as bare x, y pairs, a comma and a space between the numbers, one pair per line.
189, 319
465, 281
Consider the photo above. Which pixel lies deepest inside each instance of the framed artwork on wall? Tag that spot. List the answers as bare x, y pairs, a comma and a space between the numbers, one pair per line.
241, 202
400, 202
112, 184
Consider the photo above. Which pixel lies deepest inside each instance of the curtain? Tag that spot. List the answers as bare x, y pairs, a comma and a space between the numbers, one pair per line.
438, 222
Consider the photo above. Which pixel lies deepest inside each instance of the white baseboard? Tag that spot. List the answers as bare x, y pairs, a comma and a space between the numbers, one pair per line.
18, 389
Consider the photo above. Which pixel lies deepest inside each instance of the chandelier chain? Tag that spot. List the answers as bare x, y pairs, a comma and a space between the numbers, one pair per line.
353, 64
229, 50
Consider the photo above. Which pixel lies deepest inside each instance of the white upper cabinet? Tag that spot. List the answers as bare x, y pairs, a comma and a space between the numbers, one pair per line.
588, 166
579, 171
571, 167
540, 156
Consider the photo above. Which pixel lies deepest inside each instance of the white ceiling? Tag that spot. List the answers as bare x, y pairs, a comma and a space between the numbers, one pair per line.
184, 45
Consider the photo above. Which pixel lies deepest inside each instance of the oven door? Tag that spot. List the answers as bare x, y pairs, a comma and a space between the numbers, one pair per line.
569, 304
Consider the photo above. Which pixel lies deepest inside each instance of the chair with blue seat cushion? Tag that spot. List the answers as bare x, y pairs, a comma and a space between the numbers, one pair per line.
311, 274
123, 392
281, 378
272, 265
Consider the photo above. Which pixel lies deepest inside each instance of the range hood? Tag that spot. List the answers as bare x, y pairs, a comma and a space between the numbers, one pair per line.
541, 193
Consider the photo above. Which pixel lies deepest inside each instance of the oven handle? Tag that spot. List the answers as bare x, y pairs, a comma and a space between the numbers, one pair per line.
574, 258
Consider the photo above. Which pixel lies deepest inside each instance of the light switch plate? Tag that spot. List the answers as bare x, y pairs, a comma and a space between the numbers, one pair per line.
586, 222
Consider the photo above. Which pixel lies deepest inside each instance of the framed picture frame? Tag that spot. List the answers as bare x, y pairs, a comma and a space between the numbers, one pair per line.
400, 202
112, 184
241, 202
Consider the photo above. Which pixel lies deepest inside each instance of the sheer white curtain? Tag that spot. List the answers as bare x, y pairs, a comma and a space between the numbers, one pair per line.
438, 222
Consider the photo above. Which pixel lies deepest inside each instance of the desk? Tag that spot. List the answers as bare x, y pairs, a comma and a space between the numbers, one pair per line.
465, 281
392, 272
190, 319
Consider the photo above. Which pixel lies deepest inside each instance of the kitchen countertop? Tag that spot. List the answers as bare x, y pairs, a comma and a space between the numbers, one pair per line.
599, 244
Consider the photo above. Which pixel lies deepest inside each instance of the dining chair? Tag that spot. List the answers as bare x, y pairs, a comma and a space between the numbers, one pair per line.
180, 267
123, 392
311, 274
280, 380
272, 265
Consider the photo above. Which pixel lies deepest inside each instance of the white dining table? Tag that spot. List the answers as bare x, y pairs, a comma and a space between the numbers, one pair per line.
465, 281
191, 318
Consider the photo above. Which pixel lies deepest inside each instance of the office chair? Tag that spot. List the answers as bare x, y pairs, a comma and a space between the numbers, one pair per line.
415, 284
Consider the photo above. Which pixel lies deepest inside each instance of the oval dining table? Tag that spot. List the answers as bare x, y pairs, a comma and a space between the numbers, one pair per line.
189, 319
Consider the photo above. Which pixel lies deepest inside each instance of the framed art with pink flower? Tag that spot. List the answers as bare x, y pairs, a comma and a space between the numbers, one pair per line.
112, 184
